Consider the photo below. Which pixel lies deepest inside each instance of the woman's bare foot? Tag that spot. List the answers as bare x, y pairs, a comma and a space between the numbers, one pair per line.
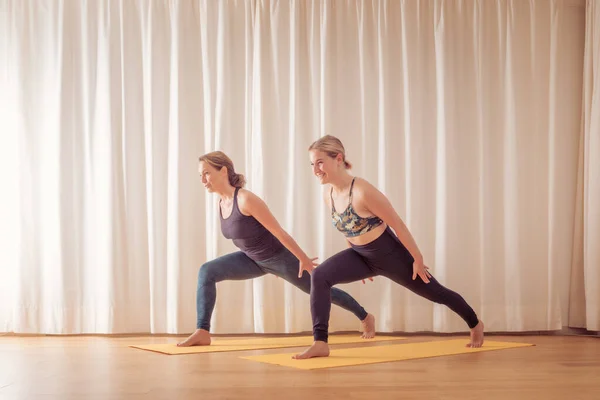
368, 325
318, 349
199, 338
476, 336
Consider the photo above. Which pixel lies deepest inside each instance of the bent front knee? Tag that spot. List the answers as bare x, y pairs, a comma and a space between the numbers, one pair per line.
319, 277
206, 274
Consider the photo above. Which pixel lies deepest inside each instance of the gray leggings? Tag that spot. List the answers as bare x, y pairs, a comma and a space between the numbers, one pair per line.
238, 266
385, 256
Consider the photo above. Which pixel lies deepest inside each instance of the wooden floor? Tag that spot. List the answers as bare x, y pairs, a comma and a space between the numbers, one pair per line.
59, 367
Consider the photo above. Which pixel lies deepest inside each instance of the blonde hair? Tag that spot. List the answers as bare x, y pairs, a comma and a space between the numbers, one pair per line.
331, 146
218, 160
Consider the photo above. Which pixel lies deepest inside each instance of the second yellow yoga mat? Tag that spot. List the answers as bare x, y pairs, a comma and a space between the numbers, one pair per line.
382, 354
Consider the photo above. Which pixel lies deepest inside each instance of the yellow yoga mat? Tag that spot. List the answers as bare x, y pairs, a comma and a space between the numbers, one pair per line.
219, 345
382, 354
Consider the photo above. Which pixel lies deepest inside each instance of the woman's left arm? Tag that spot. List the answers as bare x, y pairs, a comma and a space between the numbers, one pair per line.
256, 207
378, 204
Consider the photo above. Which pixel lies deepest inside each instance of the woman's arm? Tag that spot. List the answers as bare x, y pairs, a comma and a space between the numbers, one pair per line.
378, 204
253, 205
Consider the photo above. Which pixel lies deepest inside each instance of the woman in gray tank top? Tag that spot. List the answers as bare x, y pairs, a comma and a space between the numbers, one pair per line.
265, 248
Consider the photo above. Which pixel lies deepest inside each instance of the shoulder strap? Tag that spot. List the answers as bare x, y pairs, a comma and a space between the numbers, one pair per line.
350, 196
236, 205
331, 197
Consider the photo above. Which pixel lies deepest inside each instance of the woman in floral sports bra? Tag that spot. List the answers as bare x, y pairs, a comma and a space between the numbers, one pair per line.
374, 248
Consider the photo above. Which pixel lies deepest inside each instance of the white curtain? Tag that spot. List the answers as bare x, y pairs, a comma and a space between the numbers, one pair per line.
466, 114
585, 279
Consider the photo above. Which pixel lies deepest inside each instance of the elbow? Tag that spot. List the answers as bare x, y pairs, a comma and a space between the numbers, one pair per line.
281, 234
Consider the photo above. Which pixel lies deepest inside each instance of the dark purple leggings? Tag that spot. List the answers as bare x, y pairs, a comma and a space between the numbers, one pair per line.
385, 256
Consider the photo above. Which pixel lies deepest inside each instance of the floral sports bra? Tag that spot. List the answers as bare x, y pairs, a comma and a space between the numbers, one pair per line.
349, 222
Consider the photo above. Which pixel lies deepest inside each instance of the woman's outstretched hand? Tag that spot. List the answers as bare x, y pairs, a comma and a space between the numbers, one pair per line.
307, 265
420, 269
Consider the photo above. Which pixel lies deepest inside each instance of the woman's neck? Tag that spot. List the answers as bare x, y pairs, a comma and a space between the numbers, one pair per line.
226, 193
342, 183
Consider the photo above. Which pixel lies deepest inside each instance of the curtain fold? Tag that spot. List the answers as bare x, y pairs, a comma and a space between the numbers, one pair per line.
585, 274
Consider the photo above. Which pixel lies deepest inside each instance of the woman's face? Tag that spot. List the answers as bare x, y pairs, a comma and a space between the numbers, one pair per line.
324, 166
212, 178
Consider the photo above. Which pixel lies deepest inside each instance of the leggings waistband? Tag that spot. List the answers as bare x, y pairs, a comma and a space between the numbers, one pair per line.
386, 243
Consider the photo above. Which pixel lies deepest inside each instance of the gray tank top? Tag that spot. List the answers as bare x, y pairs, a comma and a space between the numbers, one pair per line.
249, 235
